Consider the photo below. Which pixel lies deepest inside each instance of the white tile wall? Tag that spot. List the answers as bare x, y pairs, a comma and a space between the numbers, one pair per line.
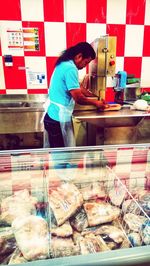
35, 64
147, 13
11, 25
75, 11
116, 11
134, 40
32, 10
145, 72
55, 40
94, 30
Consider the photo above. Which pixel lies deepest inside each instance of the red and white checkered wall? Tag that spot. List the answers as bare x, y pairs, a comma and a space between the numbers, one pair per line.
62, 23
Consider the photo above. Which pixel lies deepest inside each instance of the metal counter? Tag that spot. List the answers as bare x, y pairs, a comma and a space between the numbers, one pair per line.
21, 113
123, 117
21, 107
111, 127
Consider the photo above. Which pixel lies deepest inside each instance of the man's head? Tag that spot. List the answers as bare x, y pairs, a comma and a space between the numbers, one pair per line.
81, 61
81, 53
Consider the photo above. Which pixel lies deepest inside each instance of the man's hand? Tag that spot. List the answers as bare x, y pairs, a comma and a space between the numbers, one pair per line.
101, 105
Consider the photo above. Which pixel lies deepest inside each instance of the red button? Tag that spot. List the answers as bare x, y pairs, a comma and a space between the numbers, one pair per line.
112, 62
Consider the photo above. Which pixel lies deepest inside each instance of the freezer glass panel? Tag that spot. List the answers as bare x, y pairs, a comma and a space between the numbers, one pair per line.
80, 202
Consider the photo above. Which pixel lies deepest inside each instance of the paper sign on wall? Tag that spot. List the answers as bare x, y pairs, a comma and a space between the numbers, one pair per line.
31, 39
36, 77
26, 38
15, 39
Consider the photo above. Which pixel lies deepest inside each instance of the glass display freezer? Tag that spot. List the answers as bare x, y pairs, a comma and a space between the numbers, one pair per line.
75, 206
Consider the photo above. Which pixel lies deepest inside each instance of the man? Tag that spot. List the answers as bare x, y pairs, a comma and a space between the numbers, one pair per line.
64, 91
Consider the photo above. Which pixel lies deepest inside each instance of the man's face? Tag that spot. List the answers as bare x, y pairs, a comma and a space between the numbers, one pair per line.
81, 62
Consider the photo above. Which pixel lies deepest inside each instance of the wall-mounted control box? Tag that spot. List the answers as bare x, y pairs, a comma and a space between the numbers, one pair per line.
8, 60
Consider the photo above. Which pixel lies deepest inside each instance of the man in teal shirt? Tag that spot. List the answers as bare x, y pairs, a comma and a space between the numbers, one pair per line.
65, 91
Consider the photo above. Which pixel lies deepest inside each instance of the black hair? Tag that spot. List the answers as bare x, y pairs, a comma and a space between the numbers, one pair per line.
83, 47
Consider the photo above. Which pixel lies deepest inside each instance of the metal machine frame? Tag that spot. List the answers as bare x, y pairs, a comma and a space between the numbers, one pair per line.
103, 65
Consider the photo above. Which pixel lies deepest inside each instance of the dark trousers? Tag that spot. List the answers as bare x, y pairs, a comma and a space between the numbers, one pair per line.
53, 129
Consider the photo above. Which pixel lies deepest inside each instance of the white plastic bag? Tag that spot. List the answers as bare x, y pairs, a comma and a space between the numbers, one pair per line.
65, 117
45, 106
140, 105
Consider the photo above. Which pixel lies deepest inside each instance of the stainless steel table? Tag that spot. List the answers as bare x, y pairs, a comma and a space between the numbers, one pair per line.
111, 127
124, 117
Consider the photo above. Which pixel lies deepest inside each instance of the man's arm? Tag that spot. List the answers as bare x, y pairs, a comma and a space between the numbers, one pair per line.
80, 98
84, 85
86, 92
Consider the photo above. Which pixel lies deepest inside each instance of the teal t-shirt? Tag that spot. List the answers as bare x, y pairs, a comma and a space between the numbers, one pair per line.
64, 78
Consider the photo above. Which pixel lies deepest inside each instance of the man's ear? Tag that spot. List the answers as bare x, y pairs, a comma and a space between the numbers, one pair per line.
78, 56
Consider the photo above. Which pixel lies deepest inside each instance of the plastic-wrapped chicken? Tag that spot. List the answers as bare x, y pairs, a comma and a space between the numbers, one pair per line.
21, 203
32, 237
61, 247
133, 221
79, 220
117, 195
145, 232
64, 230
92, 244
144, 201
135, 239
100, 212
7, 244
17, 257
130, 206
107, 231
64, 201
93, 190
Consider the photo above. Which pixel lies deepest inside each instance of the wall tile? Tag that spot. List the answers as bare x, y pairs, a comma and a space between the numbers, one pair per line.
15, 76
55, 40
75, 11
134, 40
10, 10
145, 73
132, 65
96, 11
53, 10
75, 32
6, 25
147, 12
32, 10
146, 42
119, 32
94, 31
135, 12
35, 65
116, 11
